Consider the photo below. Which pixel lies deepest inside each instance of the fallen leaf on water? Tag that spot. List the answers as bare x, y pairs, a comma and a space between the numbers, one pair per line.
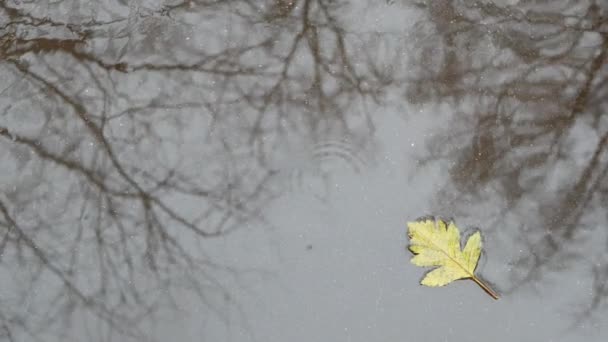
436, 243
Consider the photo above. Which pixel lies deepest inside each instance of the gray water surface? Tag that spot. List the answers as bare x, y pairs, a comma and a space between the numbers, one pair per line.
245, 170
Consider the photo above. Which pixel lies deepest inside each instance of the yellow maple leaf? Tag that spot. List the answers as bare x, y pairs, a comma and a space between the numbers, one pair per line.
436, 243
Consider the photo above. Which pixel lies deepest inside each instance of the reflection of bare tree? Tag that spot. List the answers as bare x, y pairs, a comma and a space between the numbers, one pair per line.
530, 82
128, 142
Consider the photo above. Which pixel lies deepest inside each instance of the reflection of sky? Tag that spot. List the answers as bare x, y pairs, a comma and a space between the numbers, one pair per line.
333, 264
356, 282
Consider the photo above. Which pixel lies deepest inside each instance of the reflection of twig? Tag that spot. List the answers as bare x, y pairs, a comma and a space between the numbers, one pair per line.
111, 318
114, 232
525, 95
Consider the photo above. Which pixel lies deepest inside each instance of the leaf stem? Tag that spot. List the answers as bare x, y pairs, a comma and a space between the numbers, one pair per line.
485, 287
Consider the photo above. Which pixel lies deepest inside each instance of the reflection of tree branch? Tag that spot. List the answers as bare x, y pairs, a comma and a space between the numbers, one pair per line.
146, 198
101, 311
65, 162
525, 82
44, 45
128, 202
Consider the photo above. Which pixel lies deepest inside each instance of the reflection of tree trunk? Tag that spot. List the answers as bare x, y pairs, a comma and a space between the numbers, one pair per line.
576, 199
477, 164
444, 15
282, 8
595, 70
